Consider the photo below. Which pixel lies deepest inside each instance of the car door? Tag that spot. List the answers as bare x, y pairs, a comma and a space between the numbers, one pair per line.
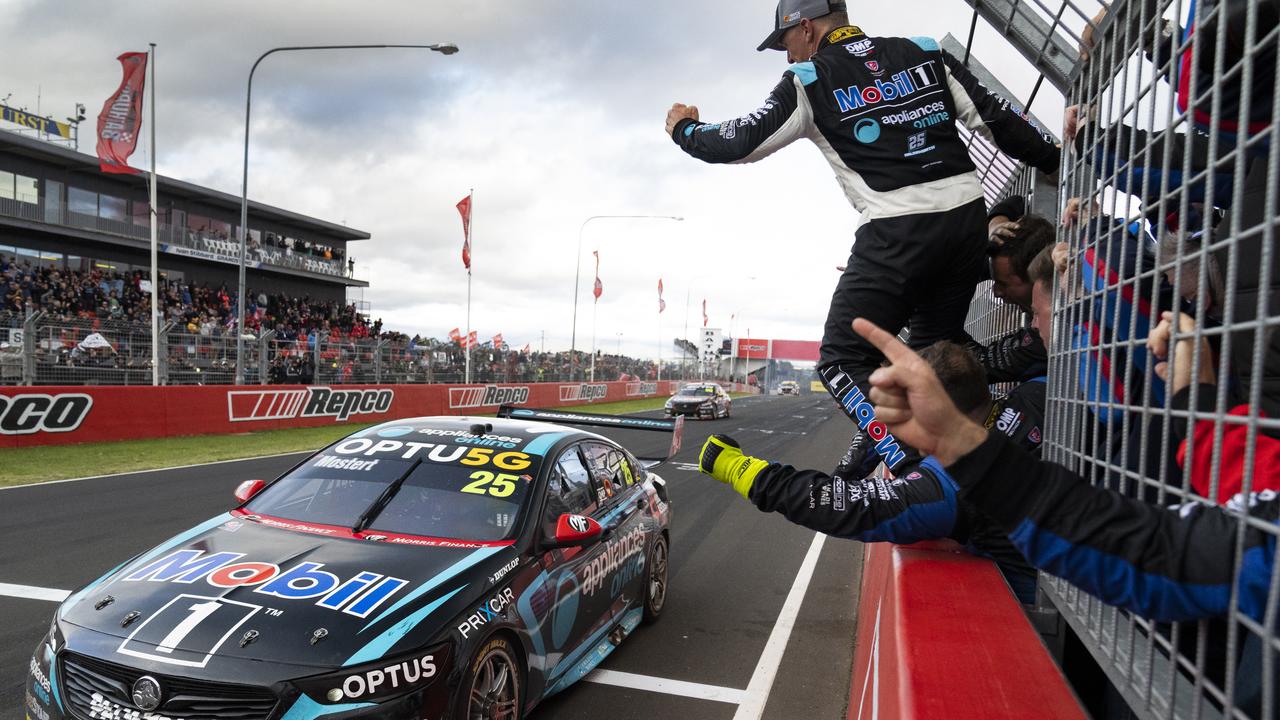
575, 610
623, 507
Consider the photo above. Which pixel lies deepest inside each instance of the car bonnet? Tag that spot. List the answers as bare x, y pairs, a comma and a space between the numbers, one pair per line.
233, 588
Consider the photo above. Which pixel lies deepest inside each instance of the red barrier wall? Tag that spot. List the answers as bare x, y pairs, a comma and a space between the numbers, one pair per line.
63, 415
941, 636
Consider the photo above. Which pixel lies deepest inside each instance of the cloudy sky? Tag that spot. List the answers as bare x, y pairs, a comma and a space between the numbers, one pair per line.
553, 111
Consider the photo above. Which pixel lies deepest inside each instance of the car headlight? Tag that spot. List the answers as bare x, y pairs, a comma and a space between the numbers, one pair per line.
378, 681
669, 401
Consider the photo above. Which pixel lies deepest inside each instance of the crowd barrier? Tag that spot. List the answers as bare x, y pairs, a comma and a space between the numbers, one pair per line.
68, 414
941, 636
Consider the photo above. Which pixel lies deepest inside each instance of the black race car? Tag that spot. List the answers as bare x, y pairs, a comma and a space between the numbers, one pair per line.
704, 400
425, 568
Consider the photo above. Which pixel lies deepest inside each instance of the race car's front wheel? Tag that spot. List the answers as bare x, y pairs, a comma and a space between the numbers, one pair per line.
494, 686
656, 586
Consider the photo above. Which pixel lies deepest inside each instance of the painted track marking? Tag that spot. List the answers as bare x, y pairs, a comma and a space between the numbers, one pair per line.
31, 592
752, 706
665, 685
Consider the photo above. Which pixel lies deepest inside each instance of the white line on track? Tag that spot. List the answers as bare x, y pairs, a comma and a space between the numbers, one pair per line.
664, 685
163, 469
31, 592
752, 706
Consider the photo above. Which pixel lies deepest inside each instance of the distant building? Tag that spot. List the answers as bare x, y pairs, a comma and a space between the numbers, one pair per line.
57, 208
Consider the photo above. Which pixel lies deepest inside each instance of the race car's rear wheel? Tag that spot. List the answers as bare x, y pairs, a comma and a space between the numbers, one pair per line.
655, 597
494, 685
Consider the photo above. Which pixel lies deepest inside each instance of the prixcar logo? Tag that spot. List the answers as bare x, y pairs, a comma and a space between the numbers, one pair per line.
470, 397
245, 405
641, 388
37, 412
569, 393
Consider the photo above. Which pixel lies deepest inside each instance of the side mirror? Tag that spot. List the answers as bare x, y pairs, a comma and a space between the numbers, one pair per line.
576, 531
248, 489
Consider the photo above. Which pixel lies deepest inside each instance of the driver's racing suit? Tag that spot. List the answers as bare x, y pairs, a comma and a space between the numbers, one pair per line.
884, 111
921, 503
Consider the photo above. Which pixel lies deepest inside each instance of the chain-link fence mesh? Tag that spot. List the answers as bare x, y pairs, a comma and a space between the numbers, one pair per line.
42, 349
1169, 195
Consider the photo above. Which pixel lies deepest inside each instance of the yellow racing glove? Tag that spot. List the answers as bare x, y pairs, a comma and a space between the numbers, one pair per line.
721, 457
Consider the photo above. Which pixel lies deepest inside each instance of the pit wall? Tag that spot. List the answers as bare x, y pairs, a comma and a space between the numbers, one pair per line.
61, 415
941, 636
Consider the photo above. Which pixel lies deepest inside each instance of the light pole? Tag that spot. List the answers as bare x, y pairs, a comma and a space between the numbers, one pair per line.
577, 271
442, 48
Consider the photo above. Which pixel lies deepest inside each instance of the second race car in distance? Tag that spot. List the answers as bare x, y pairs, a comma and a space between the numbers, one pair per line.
788, 387
422, 568
702, 399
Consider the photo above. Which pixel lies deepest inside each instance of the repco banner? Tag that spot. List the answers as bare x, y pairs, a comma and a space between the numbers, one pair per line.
77, 414
474, 397
271, 404
584, 392
31, 413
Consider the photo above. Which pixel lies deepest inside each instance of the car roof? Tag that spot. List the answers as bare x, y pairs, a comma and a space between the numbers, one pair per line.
532, 436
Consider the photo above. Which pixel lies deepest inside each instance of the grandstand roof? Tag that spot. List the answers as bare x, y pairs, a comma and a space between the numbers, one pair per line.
72, 160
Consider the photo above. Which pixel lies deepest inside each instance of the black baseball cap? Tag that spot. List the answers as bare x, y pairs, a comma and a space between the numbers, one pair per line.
791, 12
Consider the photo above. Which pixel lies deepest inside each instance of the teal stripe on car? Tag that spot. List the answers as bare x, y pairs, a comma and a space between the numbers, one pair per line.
541, 444
381, 645
444, 576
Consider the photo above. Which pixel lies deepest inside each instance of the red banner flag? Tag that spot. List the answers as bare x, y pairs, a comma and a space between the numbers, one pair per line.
525, 350
598, 290
121, 117
704, 312
455, 335
472, 340
497, 341
464, 209
662, 304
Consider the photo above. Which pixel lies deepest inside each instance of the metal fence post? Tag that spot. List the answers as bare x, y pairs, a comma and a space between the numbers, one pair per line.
378, 348
264, 356
321, 339
29, 342
162, 352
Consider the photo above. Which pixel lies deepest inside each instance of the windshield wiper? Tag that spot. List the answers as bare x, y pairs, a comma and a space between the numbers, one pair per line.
368, 515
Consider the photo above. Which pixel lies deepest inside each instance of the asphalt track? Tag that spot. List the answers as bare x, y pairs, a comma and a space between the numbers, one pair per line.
737, 577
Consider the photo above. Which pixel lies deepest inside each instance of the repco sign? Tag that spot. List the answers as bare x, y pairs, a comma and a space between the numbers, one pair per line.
472, 397
571, 393
641, 388
244, 405
37, 412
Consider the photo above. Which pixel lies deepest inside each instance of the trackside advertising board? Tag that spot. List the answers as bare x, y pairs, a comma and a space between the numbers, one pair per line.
58, 415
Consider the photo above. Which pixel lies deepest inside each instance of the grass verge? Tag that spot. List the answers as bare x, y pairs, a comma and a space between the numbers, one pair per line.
24, 466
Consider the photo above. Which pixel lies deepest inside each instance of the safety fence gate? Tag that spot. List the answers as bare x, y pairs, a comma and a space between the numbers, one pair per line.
1167, 202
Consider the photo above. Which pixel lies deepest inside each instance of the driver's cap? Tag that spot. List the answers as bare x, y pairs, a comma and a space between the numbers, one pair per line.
791, 12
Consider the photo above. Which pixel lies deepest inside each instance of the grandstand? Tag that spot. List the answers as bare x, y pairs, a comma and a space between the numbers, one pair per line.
77, 242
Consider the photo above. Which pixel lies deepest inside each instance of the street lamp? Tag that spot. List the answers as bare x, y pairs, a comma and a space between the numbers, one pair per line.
442, 48
577, 269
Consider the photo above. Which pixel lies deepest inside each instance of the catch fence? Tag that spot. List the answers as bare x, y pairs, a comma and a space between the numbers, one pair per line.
42, 349
1169, 189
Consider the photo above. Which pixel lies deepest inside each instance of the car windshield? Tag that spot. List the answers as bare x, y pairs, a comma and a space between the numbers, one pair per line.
697, 390
410, 488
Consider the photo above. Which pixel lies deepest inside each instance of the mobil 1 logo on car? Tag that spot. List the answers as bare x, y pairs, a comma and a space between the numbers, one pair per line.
30, 413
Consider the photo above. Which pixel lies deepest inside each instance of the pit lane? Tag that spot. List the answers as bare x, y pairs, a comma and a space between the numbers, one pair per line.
735, 575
